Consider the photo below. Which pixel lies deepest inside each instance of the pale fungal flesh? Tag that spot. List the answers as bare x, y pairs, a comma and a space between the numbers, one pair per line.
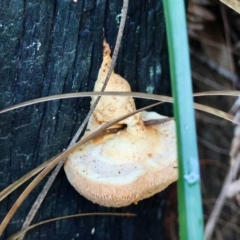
137, 162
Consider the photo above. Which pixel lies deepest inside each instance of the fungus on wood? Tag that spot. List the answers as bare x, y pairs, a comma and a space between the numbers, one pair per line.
52, 47
135, 163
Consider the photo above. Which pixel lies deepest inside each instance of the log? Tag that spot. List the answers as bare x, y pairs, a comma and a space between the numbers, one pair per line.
52, 47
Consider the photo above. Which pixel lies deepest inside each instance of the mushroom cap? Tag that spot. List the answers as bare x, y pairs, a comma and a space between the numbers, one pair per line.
119, 169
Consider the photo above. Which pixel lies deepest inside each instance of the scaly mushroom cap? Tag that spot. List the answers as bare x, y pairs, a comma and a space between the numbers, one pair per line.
118, 169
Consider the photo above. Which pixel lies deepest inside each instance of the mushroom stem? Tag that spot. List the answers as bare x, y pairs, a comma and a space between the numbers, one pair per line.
110, 108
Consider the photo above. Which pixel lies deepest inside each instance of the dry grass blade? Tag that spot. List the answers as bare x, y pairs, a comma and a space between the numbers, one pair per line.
197, 106
218, 93
40, 100
5, 192
18, 234
234, 4
32, 185
215, 112
87, 94
52, 164
132, 94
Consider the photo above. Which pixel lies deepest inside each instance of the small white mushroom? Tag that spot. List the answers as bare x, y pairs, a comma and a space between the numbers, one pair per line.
135, 163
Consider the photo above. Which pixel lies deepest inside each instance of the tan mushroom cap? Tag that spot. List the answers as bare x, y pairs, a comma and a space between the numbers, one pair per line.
137, 162
119, 169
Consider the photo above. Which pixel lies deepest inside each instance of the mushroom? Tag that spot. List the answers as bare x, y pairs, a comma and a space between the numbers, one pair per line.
137, 162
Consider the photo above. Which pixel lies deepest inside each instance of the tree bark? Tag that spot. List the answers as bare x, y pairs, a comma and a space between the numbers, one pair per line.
50, 47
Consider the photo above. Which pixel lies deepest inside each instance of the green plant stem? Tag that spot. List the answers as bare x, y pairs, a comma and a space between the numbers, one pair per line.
189, 195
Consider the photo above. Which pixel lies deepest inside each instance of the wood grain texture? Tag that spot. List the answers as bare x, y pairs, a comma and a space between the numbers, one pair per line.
50, 47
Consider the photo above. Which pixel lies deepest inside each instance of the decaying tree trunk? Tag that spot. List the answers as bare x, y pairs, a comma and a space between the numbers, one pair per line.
55, 46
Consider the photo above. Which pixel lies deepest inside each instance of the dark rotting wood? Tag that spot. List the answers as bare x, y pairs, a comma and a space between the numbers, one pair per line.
52, 47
